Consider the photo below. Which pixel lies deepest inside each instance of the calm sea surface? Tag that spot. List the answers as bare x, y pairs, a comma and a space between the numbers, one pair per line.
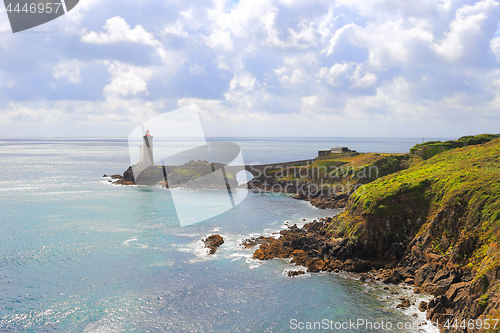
80, 255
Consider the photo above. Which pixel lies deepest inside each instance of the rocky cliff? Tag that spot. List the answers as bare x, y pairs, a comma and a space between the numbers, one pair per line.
435, 225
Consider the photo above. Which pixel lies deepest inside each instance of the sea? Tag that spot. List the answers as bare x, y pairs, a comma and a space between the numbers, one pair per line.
79, 254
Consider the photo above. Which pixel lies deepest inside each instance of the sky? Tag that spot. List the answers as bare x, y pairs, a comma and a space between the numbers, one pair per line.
344, 68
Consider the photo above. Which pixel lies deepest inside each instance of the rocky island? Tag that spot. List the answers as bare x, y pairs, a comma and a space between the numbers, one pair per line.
188, 175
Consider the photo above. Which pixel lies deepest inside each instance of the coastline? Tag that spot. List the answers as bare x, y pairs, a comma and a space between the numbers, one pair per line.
308, 247
406, 226
434, 225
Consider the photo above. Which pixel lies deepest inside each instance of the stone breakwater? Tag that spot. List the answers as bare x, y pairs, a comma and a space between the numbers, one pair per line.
458, 295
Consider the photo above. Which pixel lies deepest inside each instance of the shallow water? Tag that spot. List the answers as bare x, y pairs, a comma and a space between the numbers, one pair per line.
78, 254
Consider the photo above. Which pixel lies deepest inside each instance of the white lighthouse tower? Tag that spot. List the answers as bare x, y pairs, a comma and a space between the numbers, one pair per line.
146, 158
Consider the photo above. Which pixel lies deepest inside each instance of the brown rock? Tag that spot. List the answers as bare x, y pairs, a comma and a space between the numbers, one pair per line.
454, 288
409, 281
295, 273
213, 242
422, 306
405, 303
421, 274
442, 274
316, 265
432, 257
442, 286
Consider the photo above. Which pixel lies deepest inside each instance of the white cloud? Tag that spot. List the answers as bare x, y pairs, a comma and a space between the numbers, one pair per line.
297, 70
240, 87
337, 35
364, 81
222, 63
118, 30
389, 43
333, 74
240, 18
220, 40
176, 30
265, 60
495, 47
68, 70
304, 37
466, 30
392, 8
338, 73
127, 80
187, 14
197, 69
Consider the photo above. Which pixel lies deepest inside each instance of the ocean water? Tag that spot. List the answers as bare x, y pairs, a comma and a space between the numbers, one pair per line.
78, 254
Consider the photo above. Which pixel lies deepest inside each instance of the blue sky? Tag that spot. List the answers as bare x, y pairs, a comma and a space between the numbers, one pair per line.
355, 68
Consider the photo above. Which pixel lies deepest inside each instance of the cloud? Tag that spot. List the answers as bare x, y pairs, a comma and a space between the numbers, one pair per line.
68, 70
261, 61
197, 69
297, 71
302, 38
117, 30
362, 81
389, 43
335, 73
175, 30
219, 39
127, 80
467, 30
495, 47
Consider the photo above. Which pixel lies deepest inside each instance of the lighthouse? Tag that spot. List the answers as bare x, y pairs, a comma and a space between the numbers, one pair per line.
146, 155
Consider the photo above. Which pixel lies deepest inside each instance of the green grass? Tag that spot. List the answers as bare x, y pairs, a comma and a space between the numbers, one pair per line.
429, 149
342, 168
462, 181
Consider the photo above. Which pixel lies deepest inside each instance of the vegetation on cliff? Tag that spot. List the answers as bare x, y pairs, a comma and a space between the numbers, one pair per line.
360, 168
434, 224
457, 192
441, 218
430, 148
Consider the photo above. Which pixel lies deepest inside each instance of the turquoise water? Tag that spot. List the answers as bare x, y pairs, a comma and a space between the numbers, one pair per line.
78, 254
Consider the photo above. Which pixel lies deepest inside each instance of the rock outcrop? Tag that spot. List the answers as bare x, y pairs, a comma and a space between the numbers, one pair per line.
213, 242
194, 174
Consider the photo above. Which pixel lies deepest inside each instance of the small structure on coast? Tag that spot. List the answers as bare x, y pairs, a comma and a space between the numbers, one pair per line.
335, 150
146, 158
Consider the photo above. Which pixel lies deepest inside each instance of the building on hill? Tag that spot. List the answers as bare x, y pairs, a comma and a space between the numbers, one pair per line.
335, 150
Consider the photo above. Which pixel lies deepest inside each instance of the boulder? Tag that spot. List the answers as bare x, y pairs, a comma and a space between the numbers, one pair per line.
454, 288
405, 303
295, 273
422, 306
213, 242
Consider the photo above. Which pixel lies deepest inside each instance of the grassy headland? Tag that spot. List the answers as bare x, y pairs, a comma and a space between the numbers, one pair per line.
430, 221
455, 195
